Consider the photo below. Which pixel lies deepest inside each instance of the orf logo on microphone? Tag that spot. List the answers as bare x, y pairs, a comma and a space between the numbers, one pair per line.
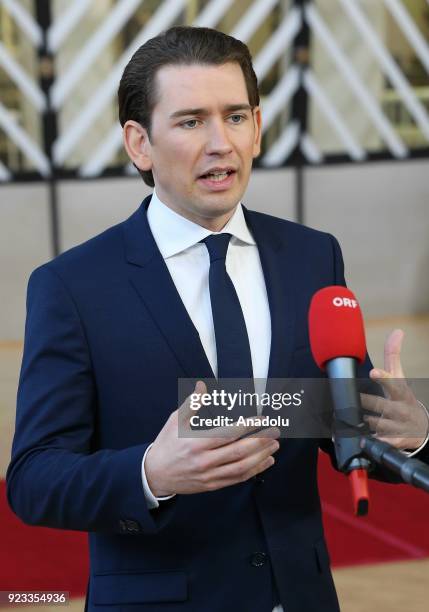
339, 302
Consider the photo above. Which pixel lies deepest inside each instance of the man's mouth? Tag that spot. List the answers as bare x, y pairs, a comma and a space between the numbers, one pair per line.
217, 175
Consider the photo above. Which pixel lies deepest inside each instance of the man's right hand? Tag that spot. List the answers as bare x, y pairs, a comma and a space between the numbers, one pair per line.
195, 465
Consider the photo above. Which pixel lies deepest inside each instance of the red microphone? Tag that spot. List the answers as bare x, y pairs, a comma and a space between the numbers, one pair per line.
336, 326
337, 340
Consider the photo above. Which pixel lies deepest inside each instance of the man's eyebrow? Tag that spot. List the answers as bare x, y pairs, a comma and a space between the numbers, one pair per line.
204, 111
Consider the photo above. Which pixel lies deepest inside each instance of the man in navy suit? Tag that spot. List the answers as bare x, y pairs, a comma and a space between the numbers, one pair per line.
174, 522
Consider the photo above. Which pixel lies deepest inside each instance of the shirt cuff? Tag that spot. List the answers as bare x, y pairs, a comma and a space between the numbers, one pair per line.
152, 501
412, 453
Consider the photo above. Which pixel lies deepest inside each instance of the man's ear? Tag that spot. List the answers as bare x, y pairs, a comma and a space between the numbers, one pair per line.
257, 121
137, 145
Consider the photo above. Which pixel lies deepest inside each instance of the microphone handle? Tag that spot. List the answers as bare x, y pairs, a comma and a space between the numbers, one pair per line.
348, 423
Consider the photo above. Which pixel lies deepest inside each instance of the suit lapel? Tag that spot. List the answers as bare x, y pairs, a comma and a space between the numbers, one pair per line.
150, 277
278, 272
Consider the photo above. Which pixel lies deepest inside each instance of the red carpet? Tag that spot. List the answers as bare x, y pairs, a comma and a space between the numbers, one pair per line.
47, 559
395, 529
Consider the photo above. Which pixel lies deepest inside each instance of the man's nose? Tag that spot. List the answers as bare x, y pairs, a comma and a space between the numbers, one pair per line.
217, 139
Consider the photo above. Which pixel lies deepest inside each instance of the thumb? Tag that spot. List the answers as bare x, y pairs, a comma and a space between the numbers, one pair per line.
200, 387
192, 403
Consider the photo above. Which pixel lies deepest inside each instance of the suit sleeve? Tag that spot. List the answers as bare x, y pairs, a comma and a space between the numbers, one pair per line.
57, 477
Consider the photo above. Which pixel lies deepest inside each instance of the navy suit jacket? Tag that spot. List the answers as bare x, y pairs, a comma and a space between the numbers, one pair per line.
106, 339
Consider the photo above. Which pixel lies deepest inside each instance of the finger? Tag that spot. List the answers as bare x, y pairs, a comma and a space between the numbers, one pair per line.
389, 409
222, 436
392, 353
384, 427
374, 403
394, 388
239, 471
240, 450
228, 482
401, 423
399, 443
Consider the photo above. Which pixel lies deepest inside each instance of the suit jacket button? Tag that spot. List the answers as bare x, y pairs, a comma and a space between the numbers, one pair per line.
133, 526
258, 479
122, 526
258, 559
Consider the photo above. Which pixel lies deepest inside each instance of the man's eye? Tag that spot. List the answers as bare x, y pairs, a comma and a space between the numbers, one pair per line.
190, 124
237, 118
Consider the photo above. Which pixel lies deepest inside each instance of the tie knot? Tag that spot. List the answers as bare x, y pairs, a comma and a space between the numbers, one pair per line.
217, 245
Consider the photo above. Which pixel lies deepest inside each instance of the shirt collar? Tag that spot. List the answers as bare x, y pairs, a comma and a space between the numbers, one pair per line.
174, 233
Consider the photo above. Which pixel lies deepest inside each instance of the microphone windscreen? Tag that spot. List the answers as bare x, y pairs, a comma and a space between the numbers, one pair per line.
336, 326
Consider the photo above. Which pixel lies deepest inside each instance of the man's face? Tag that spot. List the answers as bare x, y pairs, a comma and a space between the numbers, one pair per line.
204, 136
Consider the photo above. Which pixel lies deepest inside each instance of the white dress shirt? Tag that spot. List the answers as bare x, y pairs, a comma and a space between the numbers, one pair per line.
188, 262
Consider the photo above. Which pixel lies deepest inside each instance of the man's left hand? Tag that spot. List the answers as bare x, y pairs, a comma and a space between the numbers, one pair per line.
401, 419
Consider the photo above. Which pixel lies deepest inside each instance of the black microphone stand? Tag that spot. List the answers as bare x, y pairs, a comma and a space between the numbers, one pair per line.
412, 471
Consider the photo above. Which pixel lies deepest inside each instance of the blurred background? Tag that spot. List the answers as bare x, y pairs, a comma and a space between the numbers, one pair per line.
345, 102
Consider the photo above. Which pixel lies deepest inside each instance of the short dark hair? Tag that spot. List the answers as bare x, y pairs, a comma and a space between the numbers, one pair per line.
180, 45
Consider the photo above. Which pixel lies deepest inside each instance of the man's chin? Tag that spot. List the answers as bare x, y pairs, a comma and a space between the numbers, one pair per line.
217, 201
218, 207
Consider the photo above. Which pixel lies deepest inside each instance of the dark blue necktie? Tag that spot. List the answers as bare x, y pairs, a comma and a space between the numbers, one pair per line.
232, 342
